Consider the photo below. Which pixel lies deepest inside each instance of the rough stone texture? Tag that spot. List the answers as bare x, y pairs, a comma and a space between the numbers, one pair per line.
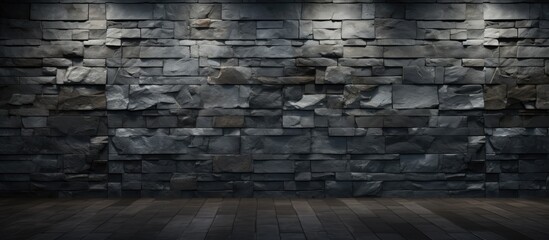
281, 98
412, 96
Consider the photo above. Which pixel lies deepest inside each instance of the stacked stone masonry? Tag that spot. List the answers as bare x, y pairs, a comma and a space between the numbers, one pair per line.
243, 99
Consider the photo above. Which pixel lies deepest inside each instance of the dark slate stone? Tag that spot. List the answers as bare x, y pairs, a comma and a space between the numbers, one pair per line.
339, 188
367, 188
366, 144
237, 163
275, 144
463, 97
329, 145
45, 145
273, 166
183, 182
408, 144
152, 144
74, 125
419, 163
418, 75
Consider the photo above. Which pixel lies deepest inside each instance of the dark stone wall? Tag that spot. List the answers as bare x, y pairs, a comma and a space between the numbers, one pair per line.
202, 98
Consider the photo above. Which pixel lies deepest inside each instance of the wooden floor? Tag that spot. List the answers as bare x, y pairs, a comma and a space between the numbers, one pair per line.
264, 218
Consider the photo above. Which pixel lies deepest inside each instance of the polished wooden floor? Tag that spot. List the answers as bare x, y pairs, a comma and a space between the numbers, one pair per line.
264, 218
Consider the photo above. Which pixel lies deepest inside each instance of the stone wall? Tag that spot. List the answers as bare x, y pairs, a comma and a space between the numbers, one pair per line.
202, 98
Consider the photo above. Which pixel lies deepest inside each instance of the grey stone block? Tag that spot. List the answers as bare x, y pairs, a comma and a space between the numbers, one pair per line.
436, 11
461, 75
395, 28
461, 97
85, 75
117, 97
225, 30
331, 11
412, 96
418, 75
542, 101
81, 98
180, 67
212, 11
367, 96
282, 11
358, 29
59, 12
506, 11
129, 11
164, 52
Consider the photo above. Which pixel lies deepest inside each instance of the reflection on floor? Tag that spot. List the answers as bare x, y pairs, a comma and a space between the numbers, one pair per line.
265, 218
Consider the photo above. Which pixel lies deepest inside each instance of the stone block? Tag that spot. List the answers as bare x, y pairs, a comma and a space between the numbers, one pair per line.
116, 11
211, 11
275, 144
229, 121
506, 11
74, 12
329, 145
235, 164
331, 11
430, 11
338, 75
542, 101
367, 96
233, 75
363, 52
274, 166
174, 11
183, 182
164, 52
117, 97
366, 188
413, 96
73, 125
418, 75
225, 30
420, 163
310, 101
461, 75
85, 75
180, 67
358, 29
152, 144
215, 51
295, 119
81, 98
532, 52
395, 28
366, 145
463, 97
254, 11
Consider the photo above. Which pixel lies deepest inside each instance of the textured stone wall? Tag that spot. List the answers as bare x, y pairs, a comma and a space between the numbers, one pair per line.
352, 98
